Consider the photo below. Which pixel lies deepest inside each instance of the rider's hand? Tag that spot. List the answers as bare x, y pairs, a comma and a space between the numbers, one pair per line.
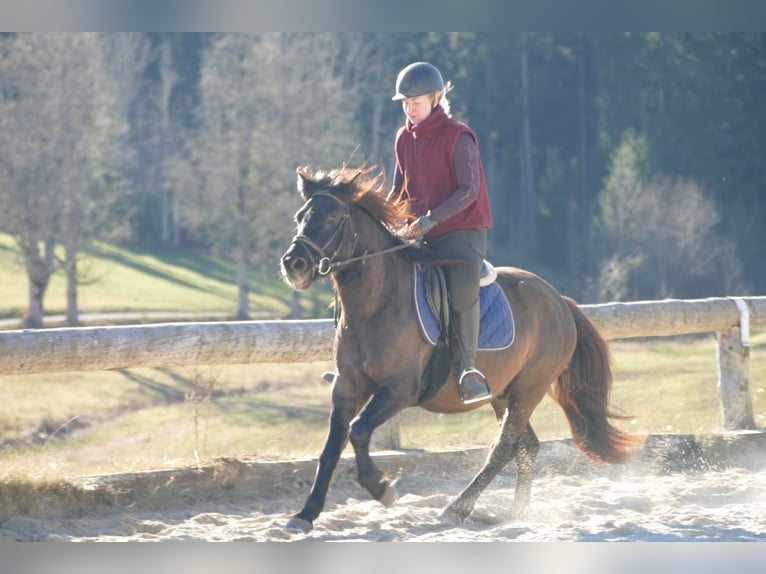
419, 227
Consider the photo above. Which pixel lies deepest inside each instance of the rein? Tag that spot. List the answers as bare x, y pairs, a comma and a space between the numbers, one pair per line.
332, 266
325, 265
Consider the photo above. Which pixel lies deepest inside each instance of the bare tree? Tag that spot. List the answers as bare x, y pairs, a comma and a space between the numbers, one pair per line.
528, 205
677, 220
268, 103
659, 234
127, 55
366, 65
168, 81
53, 152
88, 131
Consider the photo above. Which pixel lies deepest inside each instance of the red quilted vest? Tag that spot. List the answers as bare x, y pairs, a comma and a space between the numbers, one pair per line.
424, 155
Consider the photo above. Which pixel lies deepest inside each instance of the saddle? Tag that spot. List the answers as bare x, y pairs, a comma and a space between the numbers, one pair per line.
432, 303
437, 296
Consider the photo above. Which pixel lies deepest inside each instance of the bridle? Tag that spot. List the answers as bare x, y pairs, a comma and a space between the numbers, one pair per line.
320, 261
324, 264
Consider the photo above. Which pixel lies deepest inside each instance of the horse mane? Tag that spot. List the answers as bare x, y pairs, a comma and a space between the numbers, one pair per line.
365, 187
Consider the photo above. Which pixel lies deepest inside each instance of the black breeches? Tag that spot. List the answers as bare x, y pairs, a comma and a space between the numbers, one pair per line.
462, 280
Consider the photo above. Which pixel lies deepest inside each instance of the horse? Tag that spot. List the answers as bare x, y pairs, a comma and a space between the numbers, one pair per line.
347, 229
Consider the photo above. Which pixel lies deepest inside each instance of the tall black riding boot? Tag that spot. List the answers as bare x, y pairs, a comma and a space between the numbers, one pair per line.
472, 384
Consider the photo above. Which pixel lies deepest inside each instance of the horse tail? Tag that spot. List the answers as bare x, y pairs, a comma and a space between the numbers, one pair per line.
583, 391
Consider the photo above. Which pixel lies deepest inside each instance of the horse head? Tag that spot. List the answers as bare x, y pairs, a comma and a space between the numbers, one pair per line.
325, 237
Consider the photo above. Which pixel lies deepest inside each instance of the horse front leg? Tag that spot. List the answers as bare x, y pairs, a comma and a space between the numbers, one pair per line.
383, 405
343, 410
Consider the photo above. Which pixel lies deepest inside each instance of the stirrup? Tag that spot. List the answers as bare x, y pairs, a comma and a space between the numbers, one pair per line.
487, 394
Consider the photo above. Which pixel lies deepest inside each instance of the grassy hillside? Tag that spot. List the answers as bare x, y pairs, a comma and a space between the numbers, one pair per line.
136, 279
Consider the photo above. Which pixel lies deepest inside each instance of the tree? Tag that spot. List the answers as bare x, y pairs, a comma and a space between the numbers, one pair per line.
268, 103
88, 130
528, 203
698, 99
680, 240
366, 68
127, 57
659, 234
55, 154
619, 201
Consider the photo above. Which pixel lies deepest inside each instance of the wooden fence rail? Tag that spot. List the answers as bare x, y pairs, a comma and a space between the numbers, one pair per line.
218, 343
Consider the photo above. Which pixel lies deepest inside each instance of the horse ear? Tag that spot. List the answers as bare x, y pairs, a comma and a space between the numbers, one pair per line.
306, 184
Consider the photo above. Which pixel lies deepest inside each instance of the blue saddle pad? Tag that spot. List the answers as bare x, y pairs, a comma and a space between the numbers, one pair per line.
496, 329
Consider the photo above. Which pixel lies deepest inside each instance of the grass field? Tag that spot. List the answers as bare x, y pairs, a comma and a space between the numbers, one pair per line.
52, 425
92, 423
137, 279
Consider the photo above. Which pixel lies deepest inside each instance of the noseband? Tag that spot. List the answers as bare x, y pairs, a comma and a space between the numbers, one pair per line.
320, 262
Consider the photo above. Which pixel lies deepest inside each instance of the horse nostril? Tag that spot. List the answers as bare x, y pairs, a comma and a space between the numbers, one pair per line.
298, 264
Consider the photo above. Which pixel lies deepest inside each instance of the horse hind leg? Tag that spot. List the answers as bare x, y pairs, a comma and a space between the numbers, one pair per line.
529, 446
507, 446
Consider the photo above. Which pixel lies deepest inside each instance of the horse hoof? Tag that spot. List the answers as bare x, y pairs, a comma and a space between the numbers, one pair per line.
389, 496
519, 511
453, 515
298, 525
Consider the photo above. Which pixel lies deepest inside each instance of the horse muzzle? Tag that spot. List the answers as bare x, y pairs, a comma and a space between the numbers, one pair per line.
297, 267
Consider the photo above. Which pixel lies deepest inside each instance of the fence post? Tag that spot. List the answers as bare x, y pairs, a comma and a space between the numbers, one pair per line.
734, 377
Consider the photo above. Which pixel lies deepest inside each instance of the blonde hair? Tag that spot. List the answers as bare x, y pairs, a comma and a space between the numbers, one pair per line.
441, 95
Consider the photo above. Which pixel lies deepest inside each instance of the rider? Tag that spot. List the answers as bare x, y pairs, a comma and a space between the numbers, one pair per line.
439, 170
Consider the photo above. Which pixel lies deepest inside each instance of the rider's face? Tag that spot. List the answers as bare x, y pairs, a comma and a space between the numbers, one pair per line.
418, 108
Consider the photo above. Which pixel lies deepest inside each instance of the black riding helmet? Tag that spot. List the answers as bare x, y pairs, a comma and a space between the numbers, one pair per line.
418, 79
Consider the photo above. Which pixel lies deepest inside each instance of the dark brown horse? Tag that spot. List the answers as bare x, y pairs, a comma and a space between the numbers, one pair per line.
344, 229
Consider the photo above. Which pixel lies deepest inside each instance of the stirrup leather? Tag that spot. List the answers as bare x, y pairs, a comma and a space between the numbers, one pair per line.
482, 397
